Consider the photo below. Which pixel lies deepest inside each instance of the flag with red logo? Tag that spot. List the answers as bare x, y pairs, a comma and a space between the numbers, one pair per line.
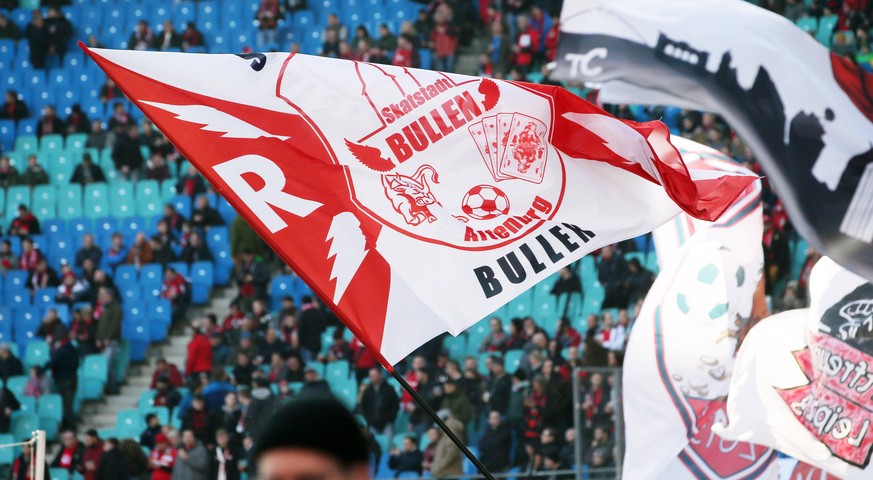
413, 202
803, 378
805, 111
680, 355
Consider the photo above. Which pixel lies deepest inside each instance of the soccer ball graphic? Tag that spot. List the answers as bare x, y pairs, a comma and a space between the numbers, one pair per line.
484, 202
705, 287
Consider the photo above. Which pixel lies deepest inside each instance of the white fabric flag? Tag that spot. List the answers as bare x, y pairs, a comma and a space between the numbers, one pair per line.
803, 380
806, 112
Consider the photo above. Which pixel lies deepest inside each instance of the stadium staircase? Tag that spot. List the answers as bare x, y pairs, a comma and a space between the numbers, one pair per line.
109, 415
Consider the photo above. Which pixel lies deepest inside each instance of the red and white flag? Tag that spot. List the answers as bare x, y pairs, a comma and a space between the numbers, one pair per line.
413, 202
680, 355
802, 378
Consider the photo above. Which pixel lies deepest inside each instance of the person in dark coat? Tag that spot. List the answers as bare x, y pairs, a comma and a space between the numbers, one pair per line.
113, 465
408, 460
195, 250
495, 444
59, 31
153, 427
224, 458
21, 467
201, 421
169, 38
311, 323
88, 172
25, 223
64, 365
126, 154
14, 107
611, 271
49, 123
204, 216
37, 37
10, 365
8, 404
379, 404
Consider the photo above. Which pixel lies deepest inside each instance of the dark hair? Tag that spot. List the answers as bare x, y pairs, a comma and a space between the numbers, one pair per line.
315, 422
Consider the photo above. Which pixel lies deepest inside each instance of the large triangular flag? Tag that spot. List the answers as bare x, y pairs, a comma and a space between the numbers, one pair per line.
413, 202
806, 112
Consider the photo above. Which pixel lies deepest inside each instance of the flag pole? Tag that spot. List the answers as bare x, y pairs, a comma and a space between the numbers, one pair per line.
445, 428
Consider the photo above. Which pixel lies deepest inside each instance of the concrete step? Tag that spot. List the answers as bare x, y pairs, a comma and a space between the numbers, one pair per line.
103, 414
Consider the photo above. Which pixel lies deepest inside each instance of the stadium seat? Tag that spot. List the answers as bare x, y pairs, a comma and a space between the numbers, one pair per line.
126, 274
15, 196
50, 410
148, 198
57, 473
96, 200
69, 202
36, 353
16, 279
53, 226
95, 371
23, 424
512, 360
17, 384
26, 144
129, 424
51, 143
130, 226
103, 229
201, 282
280, 286
76, 141
7, 135
151, 273
7, 455
180, 267
5, 324
182, 204
44, 296
61, 250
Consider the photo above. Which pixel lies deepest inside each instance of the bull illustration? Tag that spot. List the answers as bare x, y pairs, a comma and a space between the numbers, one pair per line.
411, 196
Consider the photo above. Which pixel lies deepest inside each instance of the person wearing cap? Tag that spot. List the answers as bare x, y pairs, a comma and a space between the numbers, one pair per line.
162, 458
313, 384
456, 401
25, 223
163, 368
300, 441
93, 454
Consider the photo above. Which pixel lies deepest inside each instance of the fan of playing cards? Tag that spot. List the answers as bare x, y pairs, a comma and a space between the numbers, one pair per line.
513, 145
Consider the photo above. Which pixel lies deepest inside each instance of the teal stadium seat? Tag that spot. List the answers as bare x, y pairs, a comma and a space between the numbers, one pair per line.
59, 474
26, 144
129, 424
23, 423
36, 353
69, 202
95, 371
76, 141
44, 202
17, 384
15, 196
61, 165
51, 143
96, 200
7, 455
148, 198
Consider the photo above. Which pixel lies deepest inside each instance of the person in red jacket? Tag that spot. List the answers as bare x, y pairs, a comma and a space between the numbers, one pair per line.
526, 45
199, 354
176, 289
92, 455
162, 459
163, 368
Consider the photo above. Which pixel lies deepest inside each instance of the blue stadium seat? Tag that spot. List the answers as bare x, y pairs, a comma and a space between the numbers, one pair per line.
103, 229
180, 267
61, 250
280, 286
7, 48
44, 296
185, 12
182, 204
54, 226
78, 226
130, 226
151, 273
16, 279
201, 282
159, 314
7, 135
5, 324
